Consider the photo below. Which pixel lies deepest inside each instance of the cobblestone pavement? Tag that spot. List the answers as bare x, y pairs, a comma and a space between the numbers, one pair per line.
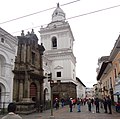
63, 113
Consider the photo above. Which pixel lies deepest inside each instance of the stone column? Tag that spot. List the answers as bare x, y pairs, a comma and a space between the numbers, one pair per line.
26, 88
21, 90
15, 89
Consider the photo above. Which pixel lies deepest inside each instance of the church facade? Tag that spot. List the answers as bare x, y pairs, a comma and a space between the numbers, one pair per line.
58, 58
28, 73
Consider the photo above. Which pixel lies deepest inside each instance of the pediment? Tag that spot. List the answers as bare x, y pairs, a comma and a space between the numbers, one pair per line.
8, 41
58, 67
9, 45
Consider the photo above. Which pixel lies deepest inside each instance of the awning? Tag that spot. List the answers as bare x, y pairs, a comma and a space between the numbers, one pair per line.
117, 93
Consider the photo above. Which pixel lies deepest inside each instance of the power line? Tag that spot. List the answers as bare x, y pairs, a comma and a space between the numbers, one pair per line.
94, 12
77, 16
36, 12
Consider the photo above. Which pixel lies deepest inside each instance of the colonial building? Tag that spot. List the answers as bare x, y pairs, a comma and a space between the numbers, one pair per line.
105, 78
96, 90
8, 51
89, 93
81, 88
28, 73
109, 73
57, 38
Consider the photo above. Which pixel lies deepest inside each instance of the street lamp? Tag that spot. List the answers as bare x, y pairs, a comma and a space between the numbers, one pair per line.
51, 86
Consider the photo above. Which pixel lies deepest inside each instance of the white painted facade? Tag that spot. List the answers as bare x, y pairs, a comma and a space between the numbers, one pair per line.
89, 92
8, 51
81, 89
117, 88
58, 58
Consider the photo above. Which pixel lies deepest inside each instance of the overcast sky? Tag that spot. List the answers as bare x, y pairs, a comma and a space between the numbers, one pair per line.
95, 30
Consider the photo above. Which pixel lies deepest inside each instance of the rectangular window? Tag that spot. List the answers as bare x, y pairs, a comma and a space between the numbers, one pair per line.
33, 58
115, 73
110, 82
58, 74
2, 40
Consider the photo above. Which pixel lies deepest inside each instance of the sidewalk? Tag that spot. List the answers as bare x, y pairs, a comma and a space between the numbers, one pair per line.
63, 113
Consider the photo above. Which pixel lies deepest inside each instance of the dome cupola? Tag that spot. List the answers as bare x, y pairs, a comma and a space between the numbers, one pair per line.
58, 14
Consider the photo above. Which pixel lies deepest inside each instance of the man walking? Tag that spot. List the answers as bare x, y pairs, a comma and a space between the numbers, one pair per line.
11, 112
89, 104
78, 105
70, 104
105, 104
97, 105
109, 103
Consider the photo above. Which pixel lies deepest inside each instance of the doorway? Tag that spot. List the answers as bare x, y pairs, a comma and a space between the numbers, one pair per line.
33, 91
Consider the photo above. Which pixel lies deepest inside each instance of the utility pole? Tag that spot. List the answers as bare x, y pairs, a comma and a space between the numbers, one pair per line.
51, 86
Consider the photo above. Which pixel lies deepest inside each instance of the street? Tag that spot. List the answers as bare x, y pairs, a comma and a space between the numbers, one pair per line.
63, 113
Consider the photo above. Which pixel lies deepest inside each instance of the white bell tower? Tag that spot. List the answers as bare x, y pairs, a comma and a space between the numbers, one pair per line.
57, 38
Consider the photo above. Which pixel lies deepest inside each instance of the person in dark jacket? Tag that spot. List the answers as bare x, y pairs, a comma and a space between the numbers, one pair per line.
89, 104
92, 101
62, 102
97, 105
109, 103
105, 104
56, 103
70, 104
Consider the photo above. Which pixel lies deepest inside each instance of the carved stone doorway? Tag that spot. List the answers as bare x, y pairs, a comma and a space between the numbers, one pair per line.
33, 92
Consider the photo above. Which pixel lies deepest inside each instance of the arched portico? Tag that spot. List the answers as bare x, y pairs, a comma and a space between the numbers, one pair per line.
4, 95
5, 79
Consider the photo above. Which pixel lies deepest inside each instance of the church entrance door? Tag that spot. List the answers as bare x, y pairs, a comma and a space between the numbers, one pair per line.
33, 91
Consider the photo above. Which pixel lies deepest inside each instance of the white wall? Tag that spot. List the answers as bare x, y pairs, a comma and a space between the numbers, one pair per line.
8, 51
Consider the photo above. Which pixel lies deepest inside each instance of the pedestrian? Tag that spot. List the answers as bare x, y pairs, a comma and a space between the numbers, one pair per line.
101, 103
62, 102
89, 104
105, 104
74, 102
78, 105
97, 105
84, 101
11, 112
109, 103
38, 106
56, 103
81, 102
92, 102
70, 104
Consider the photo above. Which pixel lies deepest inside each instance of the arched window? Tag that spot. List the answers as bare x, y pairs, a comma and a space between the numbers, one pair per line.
54, 42
0, 94
2, 65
